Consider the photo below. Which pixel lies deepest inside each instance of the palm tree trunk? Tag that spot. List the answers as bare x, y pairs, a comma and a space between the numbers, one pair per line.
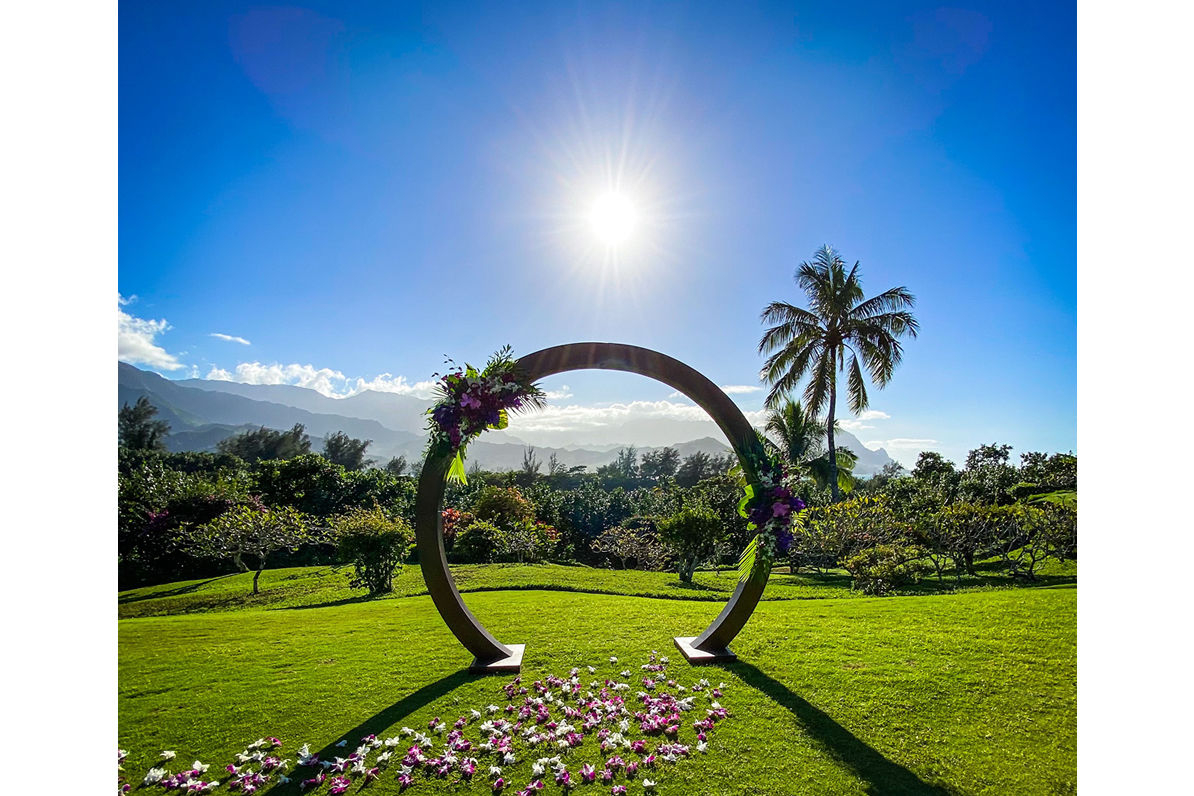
829, 427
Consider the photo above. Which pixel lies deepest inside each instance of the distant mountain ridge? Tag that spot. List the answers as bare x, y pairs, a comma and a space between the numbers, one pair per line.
203, 412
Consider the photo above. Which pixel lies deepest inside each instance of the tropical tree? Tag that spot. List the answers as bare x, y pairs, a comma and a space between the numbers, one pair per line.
530, 463
798, 435
661, 463
349, 453
251, 529
138, 430
266, 443
396, 465
814, 342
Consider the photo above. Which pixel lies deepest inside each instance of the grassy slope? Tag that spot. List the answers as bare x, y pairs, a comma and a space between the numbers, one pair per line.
310, 586
971, 693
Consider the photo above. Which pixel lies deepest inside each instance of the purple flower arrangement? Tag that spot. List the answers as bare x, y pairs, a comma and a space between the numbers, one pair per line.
471, 401
604, 713
770, 508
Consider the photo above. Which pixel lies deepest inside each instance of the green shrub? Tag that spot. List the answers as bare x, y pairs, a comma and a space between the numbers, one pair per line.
505, 507
882, 569
374, 544
692, 535
829, 535
635, 544
476, 543
524, 542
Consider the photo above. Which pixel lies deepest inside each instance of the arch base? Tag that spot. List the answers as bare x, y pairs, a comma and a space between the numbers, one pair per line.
510, 663
696, 655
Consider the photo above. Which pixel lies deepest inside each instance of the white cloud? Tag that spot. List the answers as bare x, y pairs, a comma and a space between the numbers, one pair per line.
901, 444
858, 423
560, 394
230, 338
322, 380
568, 418
137, 344
325, 381
739, 389
125, 301
579, 418
387, 383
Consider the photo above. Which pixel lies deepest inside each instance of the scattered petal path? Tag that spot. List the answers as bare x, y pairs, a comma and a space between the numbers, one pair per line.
575, 733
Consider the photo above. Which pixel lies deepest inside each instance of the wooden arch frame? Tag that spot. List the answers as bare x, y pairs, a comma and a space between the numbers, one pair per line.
489, 653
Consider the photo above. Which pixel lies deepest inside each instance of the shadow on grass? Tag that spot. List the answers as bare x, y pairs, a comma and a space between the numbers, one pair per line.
376, 725
884, 777
363, 598
188, 589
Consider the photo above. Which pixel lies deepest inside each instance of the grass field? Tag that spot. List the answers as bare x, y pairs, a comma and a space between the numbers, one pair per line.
965, 693
328, 586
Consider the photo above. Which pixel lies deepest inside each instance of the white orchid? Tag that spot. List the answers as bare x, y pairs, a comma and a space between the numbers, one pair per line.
407, 731
476, 714
168, 755
304, 750
154, 776
623, 725
493, 708
592, 669
648, 784
384, 756
537, 770
702, 746
200, 767
612, 659
508, 759
495, 771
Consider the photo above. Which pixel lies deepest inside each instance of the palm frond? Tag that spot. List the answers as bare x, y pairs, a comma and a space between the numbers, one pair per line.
896, 299
746, 562
856, 387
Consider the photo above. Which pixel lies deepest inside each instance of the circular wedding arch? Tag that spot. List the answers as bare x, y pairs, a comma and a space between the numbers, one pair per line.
489, 654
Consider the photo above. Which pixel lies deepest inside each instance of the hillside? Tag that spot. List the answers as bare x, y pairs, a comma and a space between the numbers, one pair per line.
202, 412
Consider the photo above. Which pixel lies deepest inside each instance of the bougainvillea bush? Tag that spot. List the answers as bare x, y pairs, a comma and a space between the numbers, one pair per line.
612, 733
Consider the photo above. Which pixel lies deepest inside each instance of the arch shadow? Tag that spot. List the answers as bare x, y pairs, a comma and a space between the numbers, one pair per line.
884, 777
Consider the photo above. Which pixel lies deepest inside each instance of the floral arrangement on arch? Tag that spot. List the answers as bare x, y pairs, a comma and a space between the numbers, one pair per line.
471, 401
769, 507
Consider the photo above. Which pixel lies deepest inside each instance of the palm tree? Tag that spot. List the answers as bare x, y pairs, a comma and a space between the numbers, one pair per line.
813, 342
797, 436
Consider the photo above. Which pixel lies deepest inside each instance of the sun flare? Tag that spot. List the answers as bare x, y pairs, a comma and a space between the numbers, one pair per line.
613, 218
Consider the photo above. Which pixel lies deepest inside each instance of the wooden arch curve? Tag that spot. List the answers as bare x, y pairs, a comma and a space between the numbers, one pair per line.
490, 654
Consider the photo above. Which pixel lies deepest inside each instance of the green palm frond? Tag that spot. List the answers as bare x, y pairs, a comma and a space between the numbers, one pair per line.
746, 562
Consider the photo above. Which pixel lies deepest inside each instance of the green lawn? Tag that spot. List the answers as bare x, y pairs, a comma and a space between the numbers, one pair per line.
967, 693
325, 586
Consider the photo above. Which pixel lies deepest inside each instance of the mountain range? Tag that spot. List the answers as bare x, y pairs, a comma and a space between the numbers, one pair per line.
202, 412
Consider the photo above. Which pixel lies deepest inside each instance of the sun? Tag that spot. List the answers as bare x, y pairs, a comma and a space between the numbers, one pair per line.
613, 218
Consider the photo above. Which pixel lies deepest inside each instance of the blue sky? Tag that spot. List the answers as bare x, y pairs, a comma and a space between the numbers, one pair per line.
358, 189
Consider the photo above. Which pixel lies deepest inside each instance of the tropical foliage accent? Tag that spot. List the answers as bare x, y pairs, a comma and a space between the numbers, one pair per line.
769, 506
471, 401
